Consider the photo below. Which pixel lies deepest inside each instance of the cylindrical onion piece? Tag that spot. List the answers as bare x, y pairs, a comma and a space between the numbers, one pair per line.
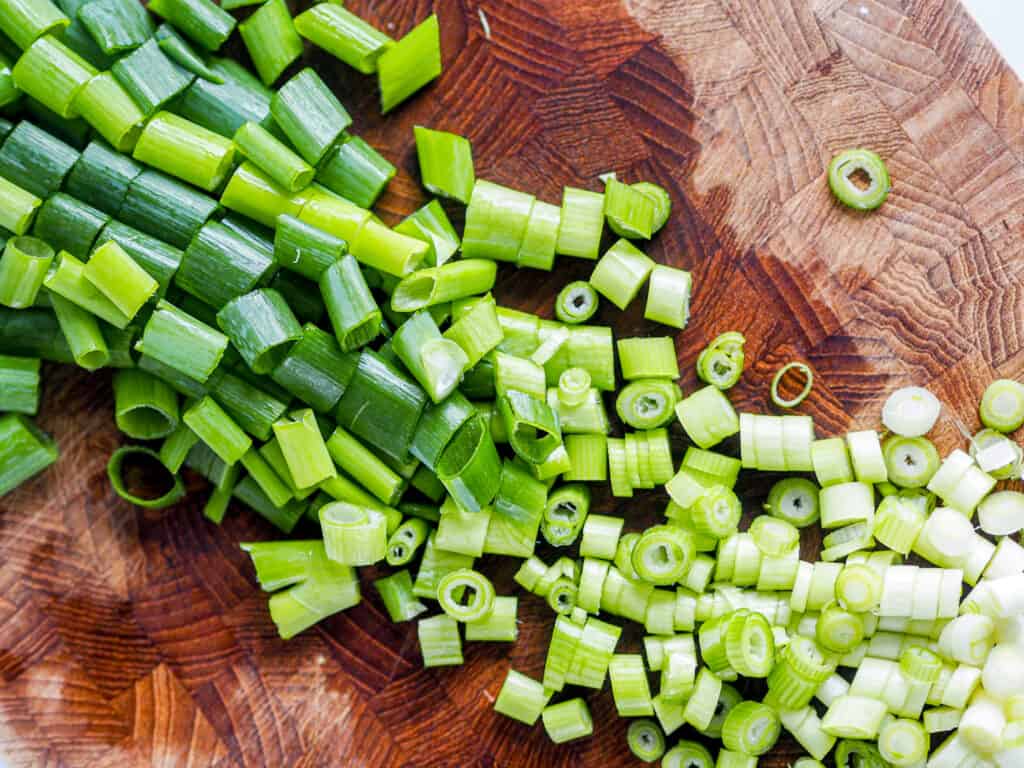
968, 639
1003, 673
1002, 513
795, 500
982, 724
911, 411
846, 503
866, 455
646, 740
466, 595
354, 535
751, 728
1002, 405
903, 742
854, 717
910, 461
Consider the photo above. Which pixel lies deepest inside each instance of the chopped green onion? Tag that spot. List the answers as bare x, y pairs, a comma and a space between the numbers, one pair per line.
466, 595
522, 698
854, 717
353, 535
629, 685
795, 500
588, 455
25, 451
26, 22
793, 402
150, 78
356, 171
351, 307
910, 461
582, 223
155, 495
116, 25
700, 707
648, 358
275, 158
17, 208
19, 385
716, 512
996, 454
668, 296
181, 53
601, 536
573, 386
565, 513
270, 37
620, 273
409, 64
439, 639
199, 20
144, 407
304, 449
537, 249
446, 163
68, 280
217, 430
773, 536
751, 728
468, 466
67, 224
707, 416
576, 303
105, 104
1002, 405
688, 754
168, 209
119, 278
910, 411
647, 403
663, 554
721, 362
182, 343
396, 594
858, 588
344, 35
1002, 513
359, 462
437, 363
646, 740
431, 225
307, 110
859, 179
23, 269
261, 327
567, 721
185, 150
53, 74
629, 211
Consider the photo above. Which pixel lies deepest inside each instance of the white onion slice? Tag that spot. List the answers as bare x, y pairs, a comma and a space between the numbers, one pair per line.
1002, 513
911, 411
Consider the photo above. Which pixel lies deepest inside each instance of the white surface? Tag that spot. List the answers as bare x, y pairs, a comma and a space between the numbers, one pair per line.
1003, 22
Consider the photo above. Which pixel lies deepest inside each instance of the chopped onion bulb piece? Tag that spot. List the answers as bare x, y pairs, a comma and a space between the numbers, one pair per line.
1002, 513
911, 411
1003, 673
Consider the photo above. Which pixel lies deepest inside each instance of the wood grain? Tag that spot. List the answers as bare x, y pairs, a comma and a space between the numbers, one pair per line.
132, 638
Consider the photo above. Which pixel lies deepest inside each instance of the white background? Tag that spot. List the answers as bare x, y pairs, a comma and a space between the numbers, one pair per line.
1003, 22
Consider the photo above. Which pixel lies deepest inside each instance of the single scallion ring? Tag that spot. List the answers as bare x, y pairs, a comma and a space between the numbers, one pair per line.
576, 303
780, 374
859, 179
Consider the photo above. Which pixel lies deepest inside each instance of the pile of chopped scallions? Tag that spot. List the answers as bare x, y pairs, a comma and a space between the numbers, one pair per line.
328, 370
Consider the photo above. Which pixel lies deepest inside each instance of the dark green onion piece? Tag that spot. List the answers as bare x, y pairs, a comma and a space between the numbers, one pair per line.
199, 20
77, 37
859, 179
446, 163
435, 362
74, 131
438, 426
576, 303
25, 451
225, 107
356, 171
354, 313
253, 409
344, 35
409, 64
532, 426
270, 37
262, 328
155, 256
53, 74
69, 225
305, 249
381, 406
101, 177
469, 466
116, 25
301, 296
431, 225
316, 370
273, 156
182, 343
19, 384
145, 408
151, 78
309, 113
33, 333
166, 208
9, 92
181, 53
220, 265
283, 518
25, 22
35, 160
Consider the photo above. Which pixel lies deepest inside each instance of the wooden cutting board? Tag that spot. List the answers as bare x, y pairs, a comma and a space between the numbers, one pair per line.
130, 638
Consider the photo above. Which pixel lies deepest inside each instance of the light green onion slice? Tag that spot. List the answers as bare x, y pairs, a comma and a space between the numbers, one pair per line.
440, 642
573, 386
858, 588
839, 630
576, 303
780, 374
688, 754
997, 454
911, 411
522, 698
716, 512
795, 500
647, 403
646, 740
1002, 513
774, 536
910, 461
466, 595
858, 754
859, 179
663, 553
752, 728
1002, 405
720, 363
567, 509
567, 721
353, 535
749, 644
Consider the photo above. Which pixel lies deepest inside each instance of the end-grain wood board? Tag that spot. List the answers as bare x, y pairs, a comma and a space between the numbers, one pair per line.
133, 638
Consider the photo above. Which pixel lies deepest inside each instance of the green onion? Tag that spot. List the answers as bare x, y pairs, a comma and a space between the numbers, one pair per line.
434, 564
910, 411
668, 296
522, 698
274, 157
166, 209
261, 327
406, 539
582, 223
199, 20
1002, 405
996, 454
270, 37
329, 588
116, 25
396, 594
185, 150
573, 386
155, 495
903, 742
647, 403
19, 384
600, 536
266, 477
252, 193
123, 282
1001, 513
446, 163
438, 426
18, 207
176, 446
225, 106
144, 407
859, 179
68, 279
361, 463
439, 638
858, 588
795, 500
101, 177
23, 268
646, 740
648, 358
67, 224
629, 211
436, 362
496, 221
308, 112
315, 370
438, 285
532, 426
217, 430
149, 77
910, 461
305, 249
663, 554
537, 249
466, 595
26, 22
356, 171
460, 531
780, 374
304, 449
567, 721
831, 461
53, 74
381, 406
344, 35
588, 455
707, 416
25, 451
688, 754
109, 108
721, 362
565, 513
620, 273
576, 303
500, 626
517, 374
182, 54
409, 64
431, 225
353, 535
751, 728
35, 161
354, 314
182, 343
518, 509
468, 466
